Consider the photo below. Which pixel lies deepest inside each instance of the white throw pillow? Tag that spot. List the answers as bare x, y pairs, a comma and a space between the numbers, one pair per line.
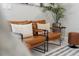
25, 29
44, 26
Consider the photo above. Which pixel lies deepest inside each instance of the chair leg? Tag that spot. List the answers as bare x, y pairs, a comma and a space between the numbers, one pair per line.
60, 41
44, 47
47, 46
40, 49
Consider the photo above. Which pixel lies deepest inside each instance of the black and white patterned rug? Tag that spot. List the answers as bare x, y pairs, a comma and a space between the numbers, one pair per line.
64, 51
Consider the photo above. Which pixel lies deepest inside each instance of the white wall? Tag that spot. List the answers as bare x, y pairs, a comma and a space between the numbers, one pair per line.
71, 20
24, 12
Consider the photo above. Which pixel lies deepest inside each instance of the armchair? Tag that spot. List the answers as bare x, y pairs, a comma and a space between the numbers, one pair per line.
73, 39
52, 35
33, 42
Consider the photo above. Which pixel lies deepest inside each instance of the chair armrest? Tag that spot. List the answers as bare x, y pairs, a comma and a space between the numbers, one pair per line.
38, 30
44, 32
21, 35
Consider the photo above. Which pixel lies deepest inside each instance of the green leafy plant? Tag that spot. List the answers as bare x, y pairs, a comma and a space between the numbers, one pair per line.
56, 9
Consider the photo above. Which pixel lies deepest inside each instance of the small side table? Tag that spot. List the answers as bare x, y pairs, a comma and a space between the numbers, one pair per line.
60, 29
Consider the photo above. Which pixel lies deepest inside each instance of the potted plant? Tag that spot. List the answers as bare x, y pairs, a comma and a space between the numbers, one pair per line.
57, 11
